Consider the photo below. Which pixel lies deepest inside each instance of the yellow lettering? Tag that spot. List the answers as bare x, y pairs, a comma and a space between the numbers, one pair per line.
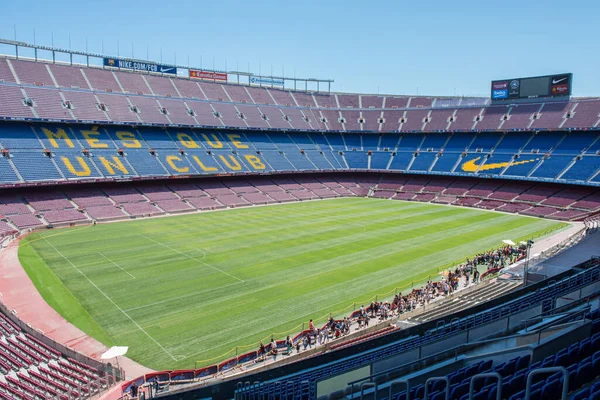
187, 141
60, 134
129, 140
254, 161
235, 140
171, 162
90, 137
114, 164
216, 144
202, 166
85, 169
235, 167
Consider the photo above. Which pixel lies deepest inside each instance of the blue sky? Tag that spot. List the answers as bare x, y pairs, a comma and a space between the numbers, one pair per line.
399, 47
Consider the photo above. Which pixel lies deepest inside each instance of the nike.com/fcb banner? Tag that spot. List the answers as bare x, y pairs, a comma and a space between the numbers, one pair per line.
208, 75
139, 66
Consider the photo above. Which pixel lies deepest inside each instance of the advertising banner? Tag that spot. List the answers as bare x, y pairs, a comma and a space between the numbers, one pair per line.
499, 94
139, 66
266, 81
208, 75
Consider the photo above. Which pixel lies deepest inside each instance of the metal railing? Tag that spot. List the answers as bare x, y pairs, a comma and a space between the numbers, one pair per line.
486, 375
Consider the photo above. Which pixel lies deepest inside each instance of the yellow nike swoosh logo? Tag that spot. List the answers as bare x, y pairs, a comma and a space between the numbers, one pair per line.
472, 166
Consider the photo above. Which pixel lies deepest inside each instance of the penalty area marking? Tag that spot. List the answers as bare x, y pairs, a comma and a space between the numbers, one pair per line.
117, 265
109, 299
193, 258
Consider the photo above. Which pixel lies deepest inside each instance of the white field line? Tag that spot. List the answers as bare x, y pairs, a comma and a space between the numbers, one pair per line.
109, 299
117, 265
182, 297
193, 258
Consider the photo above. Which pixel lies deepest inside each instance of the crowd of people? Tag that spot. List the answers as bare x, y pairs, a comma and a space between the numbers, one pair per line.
468, 272
498, 258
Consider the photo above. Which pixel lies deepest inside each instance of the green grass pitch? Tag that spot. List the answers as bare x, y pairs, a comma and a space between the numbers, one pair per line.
193, 287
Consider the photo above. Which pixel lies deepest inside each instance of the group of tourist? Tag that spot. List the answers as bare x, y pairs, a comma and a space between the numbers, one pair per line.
495, 259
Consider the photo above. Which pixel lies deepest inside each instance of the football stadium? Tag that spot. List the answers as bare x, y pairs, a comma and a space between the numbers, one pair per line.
184, 232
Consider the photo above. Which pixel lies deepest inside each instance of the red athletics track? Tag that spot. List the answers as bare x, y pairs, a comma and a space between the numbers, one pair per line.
20, 294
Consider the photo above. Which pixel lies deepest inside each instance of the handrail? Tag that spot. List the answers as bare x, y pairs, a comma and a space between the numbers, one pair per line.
486, 375
563, 370
368, 385
398, 382
437, 378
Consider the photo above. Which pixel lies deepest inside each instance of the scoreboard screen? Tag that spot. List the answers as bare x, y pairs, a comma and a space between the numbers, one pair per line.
529, 88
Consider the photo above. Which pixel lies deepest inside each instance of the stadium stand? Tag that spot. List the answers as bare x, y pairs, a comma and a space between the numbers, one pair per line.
34, 367
89, 128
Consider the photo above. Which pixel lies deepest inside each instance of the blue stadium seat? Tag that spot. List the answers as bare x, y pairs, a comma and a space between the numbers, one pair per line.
580, 395
596, 326
552, 166
492, 392
509, 367
459, 391
481, 395
572, 377
380, 160
596, 364
585, 373
157, 138
336, 141
35, 166
585, 346
538, 385
522, 362
561, 360
446, 162
319, 160
573, 367
401, 161
485, 366
535, 365
145, 163
583, 169
7, 174
353, 141
423, 161
472, 370
304, 141
438, 386
518, 396
19, 136
594, 396
550, 389
485, 141
278, 161
596, 342
419, 391
517, 383
299, 160
536, 394
356, 159
456, 377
